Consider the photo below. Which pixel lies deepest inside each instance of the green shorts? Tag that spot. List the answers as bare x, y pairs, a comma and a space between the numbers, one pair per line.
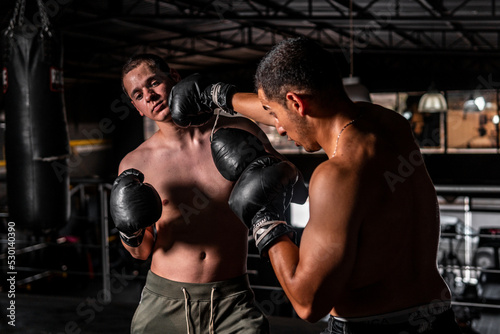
218, 307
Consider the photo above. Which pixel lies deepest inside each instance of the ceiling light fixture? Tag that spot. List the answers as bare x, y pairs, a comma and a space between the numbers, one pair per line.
473, 105
480, 102
432, 101
470, 105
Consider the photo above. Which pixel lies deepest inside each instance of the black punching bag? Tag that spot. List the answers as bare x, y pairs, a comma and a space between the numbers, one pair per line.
36, 132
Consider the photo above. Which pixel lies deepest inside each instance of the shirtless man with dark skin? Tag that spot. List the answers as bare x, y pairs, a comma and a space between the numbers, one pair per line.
198, 245
368, 253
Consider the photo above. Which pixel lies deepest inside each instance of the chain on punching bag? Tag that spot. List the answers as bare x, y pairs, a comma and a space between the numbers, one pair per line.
36, 132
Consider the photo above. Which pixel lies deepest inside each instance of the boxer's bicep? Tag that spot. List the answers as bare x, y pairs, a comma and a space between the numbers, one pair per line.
329, 242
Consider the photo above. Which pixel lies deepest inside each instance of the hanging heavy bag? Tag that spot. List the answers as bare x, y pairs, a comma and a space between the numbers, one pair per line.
36, 133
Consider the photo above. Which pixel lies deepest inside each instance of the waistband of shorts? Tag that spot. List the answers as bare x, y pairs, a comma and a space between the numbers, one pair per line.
200, 291
401, 316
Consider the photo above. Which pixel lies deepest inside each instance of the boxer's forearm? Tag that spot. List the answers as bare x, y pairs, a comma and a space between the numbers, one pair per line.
142, 251
284, 257
249, 105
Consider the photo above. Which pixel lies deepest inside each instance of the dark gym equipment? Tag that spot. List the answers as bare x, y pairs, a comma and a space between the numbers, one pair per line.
36, 135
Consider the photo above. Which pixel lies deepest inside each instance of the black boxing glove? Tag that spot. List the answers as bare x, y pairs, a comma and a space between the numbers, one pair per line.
134, 206
233, 150
193, 100
260, 198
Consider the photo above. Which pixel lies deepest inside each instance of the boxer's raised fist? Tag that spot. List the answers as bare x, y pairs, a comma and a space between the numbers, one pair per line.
193, 100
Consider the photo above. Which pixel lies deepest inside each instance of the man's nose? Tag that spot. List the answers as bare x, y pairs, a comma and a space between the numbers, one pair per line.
151, 95
279, 128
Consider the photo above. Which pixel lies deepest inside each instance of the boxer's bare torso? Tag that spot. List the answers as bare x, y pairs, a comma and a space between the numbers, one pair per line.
199, 239
393, 227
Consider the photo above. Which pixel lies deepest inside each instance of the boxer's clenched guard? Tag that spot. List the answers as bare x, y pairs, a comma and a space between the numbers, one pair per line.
134, 206
234, 149
261, 196
264, 184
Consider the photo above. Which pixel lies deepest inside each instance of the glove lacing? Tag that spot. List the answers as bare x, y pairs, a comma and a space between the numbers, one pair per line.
215, 123
269, 225
215, 93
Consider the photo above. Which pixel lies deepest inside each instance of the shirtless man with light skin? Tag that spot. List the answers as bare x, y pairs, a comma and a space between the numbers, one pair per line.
197, 240
182, 253
368, 253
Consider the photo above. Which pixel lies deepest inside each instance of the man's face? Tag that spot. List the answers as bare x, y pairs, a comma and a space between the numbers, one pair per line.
288, 122
149, 89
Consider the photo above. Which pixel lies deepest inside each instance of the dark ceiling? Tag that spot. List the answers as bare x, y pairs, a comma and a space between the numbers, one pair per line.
397, 45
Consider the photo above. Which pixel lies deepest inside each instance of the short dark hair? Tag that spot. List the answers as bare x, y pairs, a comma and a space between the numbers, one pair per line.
298, 63
155, 62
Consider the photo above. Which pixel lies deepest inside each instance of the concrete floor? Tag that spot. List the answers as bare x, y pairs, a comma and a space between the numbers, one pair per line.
38, 314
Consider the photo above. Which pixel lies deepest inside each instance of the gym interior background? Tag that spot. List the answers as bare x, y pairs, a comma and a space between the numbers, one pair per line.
71, 273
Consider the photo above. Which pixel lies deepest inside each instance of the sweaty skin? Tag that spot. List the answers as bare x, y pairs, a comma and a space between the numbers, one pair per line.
370, 245
199, 239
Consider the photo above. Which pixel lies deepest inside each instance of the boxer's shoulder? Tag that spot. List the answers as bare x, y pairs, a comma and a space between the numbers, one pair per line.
136, 153
147, 153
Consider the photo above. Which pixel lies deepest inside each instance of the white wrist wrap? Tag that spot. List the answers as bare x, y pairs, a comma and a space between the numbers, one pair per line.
262, 228
215, 93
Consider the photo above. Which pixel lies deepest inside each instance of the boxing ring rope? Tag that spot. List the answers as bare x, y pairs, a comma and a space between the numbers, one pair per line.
103, 190
79, 188
468, 192
466, 189
106, 276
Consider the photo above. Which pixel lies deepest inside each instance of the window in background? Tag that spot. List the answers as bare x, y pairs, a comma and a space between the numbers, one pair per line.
472, 121
427, 127
473, 129
386, 100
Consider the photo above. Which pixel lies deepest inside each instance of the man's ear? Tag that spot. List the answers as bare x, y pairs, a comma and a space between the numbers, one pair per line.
297, 103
